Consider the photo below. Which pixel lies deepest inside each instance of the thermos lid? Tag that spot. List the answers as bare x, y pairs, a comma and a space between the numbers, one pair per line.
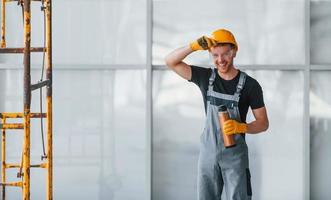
222, 108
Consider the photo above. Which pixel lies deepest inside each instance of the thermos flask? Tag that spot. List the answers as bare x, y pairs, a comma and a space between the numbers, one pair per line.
223, 115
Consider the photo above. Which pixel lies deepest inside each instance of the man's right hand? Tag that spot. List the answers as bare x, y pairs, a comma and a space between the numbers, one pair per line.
203, 43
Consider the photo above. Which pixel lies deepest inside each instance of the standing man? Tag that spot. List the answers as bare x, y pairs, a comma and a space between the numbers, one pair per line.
221, 167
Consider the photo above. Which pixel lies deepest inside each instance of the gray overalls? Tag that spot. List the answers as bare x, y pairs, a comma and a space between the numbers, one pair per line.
219, 166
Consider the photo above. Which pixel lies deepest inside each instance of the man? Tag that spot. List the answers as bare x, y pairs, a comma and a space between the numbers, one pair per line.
218, 166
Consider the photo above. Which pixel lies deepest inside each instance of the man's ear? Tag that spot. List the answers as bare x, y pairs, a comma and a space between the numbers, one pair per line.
234, 53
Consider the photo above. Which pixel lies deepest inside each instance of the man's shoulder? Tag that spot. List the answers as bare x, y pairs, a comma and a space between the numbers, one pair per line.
202, 70
200, 75
253, 91
250, 80
251, 84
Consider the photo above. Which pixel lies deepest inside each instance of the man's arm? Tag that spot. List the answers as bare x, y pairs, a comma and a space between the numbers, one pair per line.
261, 122
174, 61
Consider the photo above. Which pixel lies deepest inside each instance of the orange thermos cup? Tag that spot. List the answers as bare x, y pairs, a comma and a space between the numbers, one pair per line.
223, 115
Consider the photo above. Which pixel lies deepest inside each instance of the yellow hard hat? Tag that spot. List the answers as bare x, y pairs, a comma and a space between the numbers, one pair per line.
224, 36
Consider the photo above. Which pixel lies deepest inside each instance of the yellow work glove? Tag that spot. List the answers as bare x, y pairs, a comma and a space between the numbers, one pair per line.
202, 43
233, 127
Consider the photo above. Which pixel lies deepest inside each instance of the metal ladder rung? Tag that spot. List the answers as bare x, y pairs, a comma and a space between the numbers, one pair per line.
9, 1
42, 165
21, 50
21, 115
12, 126
13, 184
40, 84
9, 166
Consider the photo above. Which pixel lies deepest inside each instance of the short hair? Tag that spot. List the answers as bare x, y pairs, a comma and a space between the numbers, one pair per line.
224, 44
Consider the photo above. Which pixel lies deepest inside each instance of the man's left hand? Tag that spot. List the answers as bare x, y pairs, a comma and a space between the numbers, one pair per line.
231, 127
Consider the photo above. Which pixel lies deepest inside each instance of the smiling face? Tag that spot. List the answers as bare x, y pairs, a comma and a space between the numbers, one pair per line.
223, 55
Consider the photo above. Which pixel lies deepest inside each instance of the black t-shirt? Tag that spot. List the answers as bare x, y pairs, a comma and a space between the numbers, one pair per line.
251, 94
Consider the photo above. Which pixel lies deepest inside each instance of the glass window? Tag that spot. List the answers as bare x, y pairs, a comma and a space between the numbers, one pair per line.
320, 137
268, 32
99, 134
85, 32
320, 37
276, 157
177, 123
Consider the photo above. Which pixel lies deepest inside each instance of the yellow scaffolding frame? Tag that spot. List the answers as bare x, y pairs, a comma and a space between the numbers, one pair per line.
26, 115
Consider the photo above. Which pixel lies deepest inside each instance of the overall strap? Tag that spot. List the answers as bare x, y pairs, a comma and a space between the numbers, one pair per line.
240, 85
211, 79
236, 95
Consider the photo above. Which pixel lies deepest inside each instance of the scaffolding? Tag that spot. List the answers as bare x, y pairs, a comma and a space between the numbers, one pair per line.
47, 159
